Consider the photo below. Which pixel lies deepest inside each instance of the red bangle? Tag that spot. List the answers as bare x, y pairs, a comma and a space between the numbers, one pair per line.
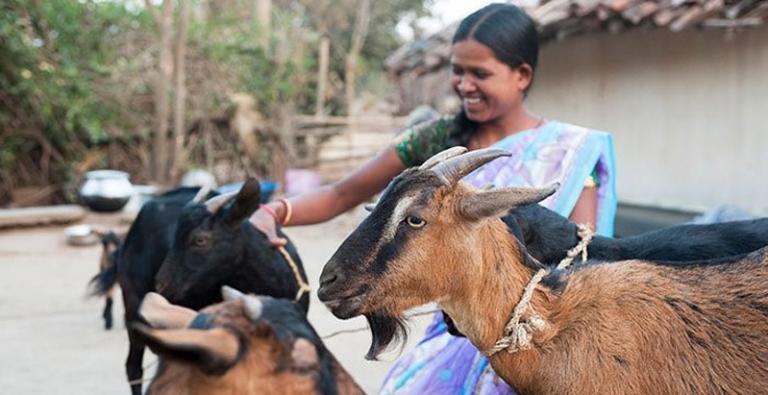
271, 212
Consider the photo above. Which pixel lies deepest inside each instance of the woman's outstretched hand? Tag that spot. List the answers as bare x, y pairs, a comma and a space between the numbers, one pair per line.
265, 222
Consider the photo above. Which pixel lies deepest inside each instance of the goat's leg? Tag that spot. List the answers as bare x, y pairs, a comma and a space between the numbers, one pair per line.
107, 314
133, 368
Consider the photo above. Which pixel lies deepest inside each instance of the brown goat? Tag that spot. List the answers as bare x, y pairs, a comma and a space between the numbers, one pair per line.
630, 327
245, 345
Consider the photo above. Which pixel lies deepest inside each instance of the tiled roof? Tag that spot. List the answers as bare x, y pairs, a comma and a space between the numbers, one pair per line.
559, 19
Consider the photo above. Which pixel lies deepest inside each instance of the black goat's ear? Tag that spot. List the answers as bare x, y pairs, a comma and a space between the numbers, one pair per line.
246, 202
214, 350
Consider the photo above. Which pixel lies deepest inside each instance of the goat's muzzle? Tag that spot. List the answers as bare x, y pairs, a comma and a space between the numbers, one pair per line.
339, 295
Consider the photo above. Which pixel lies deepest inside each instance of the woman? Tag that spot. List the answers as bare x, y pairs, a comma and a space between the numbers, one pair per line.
494, 55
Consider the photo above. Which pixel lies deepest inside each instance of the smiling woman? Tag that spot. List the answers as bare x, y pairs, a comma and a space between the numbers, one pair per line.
494, 58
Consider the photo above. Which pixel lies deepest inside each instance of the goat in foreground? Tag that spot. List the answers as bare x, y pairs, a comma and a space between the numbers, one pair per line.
245, 345
632, 327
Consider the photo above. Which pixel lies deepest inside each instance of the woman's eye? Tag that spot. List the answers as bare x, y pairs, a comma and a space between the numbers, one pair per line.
414, 221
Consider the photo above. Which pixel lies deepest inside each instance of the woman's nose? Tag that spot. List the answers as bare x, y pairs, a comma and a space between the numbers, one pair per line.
466, 84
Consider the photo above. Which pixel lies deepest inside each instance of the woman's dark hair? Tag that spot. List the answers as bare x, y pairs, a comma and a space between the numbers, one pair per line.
510, 33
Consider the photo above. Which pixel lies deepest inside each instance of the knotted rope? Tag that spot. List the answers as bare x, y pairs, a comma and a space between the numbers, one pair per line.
303, 286
517, 335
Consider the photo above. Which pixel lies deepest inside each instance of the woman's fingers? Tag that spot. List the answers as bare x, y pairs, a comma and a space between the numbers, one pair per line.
265, 223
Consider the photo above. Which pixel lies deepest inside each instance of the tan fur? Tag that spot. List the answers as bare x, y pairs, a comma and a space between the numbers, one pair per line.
621, 328
261, 371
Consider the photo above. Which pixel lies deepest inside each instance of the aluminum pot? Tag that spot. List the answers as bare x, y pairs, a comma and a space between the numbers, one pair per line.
106, 190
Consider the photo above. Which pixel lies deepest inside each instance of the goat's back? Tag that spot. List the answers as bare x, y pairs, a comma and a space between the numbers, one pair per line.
648, 328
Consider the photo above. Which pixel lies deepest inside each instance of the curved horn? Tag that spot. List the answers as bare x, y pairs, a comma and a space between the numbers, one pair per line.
201, 194
215, 203
229, 294
454, 169
443, 155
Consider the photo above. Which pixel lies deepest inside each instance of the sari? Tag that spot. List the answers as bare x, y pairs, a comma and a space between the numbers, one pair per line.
555, 152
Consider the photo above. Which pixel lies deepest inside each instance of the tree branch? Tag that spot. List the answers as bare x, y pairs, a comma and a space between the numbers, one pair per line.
152, 11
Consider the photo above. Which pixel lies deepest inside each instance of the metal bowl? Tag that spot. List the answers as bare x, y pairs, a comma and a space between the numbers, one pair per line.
80, 235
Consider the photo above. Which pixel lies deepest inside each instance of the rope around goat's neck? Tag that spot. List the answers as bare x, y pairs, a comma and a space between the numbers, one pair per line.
518, 335
303, 286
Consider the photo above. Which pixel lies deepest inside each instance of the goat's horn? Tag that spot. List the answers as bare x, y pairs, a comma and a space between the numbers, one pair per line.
215, 203
454, 169
229, 294
253, 307
201, 194
443, 155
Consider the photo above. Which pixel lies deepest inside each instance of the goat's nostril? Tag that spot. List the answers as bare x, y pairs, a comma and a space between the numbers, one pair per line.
328, 279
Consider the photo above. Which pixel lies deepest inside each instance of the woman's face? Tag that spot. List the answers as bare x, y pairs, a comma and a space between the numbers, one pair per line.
489, 89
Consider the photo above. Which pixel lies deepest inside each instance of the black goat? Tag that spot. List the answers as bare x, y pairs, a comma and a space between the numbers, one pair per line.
103, 284
547, 236
190, 250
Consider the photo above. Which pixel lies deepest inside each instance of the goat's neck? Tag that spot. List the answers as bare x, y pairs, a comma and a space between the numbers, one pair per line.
482, 299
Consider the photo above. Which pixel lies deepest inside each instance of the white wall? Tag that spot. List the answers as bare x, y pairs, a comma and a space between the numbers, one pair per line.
688, 111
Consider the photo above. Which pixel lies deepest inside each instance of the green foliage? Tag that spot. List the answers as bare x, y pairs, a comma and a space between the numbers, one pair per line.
74, 74
54, 73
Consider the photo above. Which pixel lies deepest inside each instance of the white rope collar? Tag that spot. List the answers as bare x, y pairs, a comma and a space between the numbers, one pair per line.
517, 335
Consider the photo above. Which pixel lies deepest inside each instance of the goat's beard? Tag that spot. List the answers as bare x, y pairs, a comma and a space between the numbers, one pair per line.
385, 329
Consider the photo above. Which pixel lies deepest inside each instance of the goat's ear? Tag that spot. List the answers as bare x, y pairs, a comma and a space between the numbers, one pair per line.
495, 203
212, 350
304, 354
246, 202
160, 313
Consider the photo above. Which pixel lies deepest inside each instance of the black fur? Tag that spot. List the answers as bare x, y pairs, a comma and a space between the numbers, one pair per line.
547, 236
385, 330
159, 249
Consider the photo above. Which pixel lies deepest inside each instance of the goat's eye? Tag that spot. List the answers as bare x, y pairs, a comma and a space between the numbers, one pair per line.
200, 240
414, 221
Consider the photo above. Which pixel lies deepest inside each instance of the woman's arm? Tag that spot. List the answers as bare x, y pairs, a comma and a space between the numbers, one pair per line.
331, 200
585, 210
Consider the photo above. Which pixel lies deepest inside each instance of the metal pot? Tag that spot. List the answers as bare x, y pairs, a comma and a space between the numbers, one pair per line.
106, 190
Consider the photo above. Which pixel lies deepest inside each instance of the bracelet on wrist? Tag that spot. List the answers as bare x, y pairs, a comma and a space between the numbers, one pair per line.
288, 210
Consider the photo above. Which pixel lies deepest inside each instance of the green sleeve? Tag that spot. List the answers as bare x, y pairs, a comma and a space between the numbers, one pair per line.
418, 143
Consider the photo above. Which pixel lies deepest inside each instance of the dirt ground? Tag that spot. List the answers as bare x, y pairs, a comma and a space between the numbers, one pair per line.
52, 339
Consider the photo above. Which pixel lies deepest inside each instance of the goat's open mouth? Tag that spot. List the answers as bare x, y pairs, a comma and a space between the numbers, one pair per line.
346, 307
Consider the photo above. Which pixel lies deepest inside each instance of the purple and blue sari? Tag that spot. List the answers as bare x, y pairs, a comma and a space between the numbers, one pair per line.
554, 152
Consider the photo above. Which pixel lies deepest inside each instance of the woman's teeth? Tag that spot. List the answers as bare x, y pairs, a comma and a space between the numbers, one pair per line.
473, 100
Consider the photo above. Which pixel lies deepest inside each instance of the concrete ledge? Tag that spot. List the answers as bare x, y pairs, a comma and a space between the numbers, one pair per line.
31, 216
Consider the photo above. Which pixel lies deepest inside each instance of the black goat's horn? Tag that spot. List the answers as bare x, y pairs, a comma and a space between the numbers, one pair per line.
442, 156
201, 194
215, 203
229, 294
454, 169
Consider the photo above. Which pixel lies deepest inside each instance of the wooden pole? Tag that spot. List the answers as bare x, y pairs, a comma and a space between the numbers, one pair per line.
322, 76
179, 109
264, 21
